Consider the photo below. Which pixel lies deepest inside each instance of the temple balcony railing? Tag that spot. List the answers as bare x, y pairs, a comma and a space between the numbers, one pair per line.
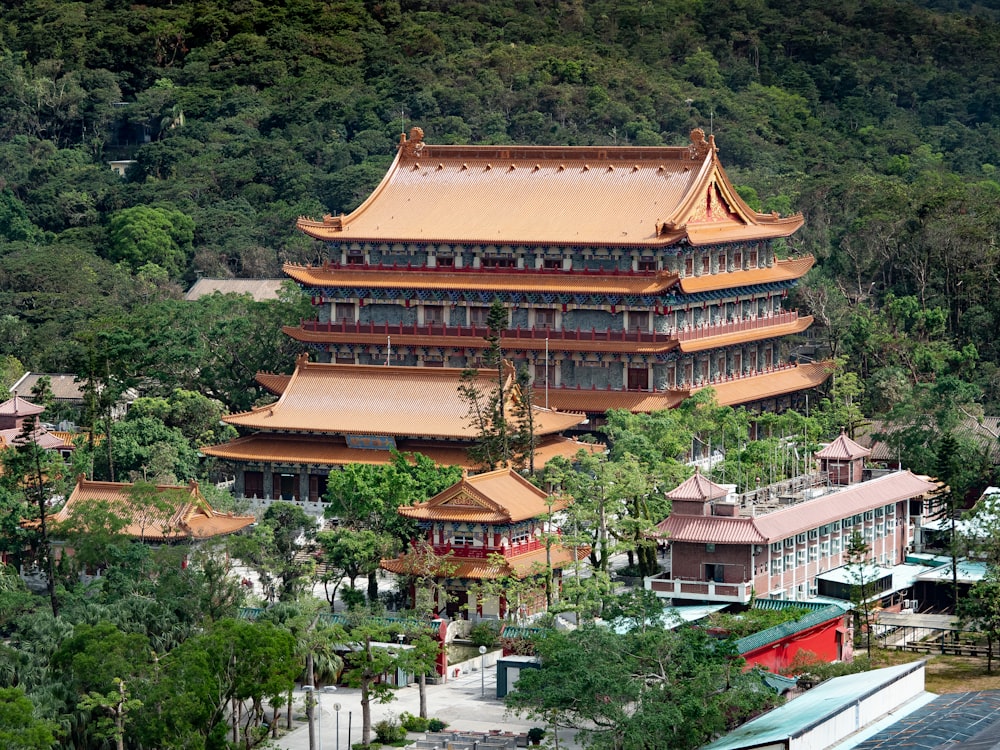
540, 333
668, 587
723, 328
467, 551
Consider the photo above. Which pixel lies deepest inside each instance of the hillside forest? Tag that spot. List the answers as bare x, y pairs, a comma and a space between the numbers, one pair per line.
877, 119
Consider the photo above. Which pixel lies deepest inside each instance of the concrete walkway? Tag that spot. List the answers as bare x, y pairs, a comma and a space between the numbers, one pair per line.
461, 702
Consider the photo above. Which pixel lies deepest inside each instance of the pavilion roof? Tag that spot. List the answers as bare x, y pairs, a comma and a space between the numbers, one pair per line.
588, 195
324, 451
376, 400
498, 497
186, 513
697, 487
19, 407
843, 449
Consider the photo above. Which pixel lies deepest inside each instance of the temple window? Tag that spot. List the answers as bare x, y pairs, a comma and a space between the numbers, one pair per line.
448, 262
722, 263
355, 258
552, 264
752, 259
689, 266
463, 539
706, 265
737, 260
647, 264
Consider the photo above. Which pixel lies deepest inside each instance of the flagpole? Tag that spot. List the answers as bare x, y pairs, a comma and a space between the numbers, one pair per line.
546, 372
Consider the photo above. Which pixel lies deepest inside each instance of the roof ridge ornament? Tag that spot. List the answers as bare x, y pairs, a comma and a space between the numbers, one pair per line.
415, 145
700, 146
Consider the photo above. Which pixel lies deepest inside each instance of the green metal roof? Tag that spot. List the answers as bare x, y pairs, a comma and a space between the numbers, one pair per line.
785, 629
811, 708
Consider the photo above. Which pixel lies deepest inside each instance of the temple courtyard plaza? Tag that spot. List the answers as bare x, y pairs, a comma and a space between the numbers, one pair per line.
459, 702
466, 703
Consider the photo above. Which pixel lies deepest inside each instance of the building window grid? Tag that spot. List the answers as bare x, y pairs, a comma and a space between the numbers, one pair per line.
800, 557
789, 561
813, 552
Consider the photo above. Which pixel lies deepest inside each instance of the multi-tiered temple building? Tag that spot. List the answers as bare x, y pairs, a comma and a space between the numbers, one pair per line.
631, 276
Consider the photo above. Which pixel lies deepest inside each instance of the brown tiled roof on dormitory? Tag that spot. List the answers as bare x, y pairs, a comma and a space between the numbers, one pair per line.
798, 518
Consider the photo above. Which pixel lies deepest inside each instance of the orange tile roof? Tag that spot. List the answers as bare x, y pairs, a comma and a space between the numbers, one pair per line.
600, 195
501, 496
782, 270
485, 569
482, 279
376, 400
798, 325
598, 402
188, 517
509, 343
728, 393
769, 385
273, 382
324, 451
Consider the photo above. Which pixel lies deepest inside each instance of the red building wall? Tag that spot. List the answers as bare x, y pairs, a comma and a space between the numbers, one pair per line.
825, 640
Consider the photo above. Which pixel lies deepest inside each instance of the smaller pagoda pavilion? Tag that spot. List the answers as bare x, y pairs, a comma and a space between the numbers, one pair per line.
485, 527
13, 413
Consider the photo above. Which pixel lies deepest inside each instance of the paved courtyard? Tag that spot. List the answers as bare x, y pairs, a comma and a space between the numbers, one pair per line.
461, 702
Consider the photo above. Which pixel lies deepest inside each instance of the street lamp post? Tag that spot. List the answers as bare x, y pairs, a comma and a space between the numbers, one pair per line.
336, 710
482, 670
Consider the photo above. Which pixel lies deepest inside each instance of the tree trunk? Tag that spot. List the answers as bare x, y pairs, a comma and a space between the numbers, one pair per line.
423, 696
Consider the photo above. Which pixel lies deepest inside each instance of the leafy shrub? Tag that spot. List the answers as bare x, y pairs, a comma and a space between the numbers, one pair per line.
389, 731
484, 634
436, 725
412, 723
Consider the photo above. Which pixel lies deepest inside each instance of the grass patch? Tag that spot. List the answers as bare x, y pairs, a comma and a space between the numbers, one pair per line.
945, 673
